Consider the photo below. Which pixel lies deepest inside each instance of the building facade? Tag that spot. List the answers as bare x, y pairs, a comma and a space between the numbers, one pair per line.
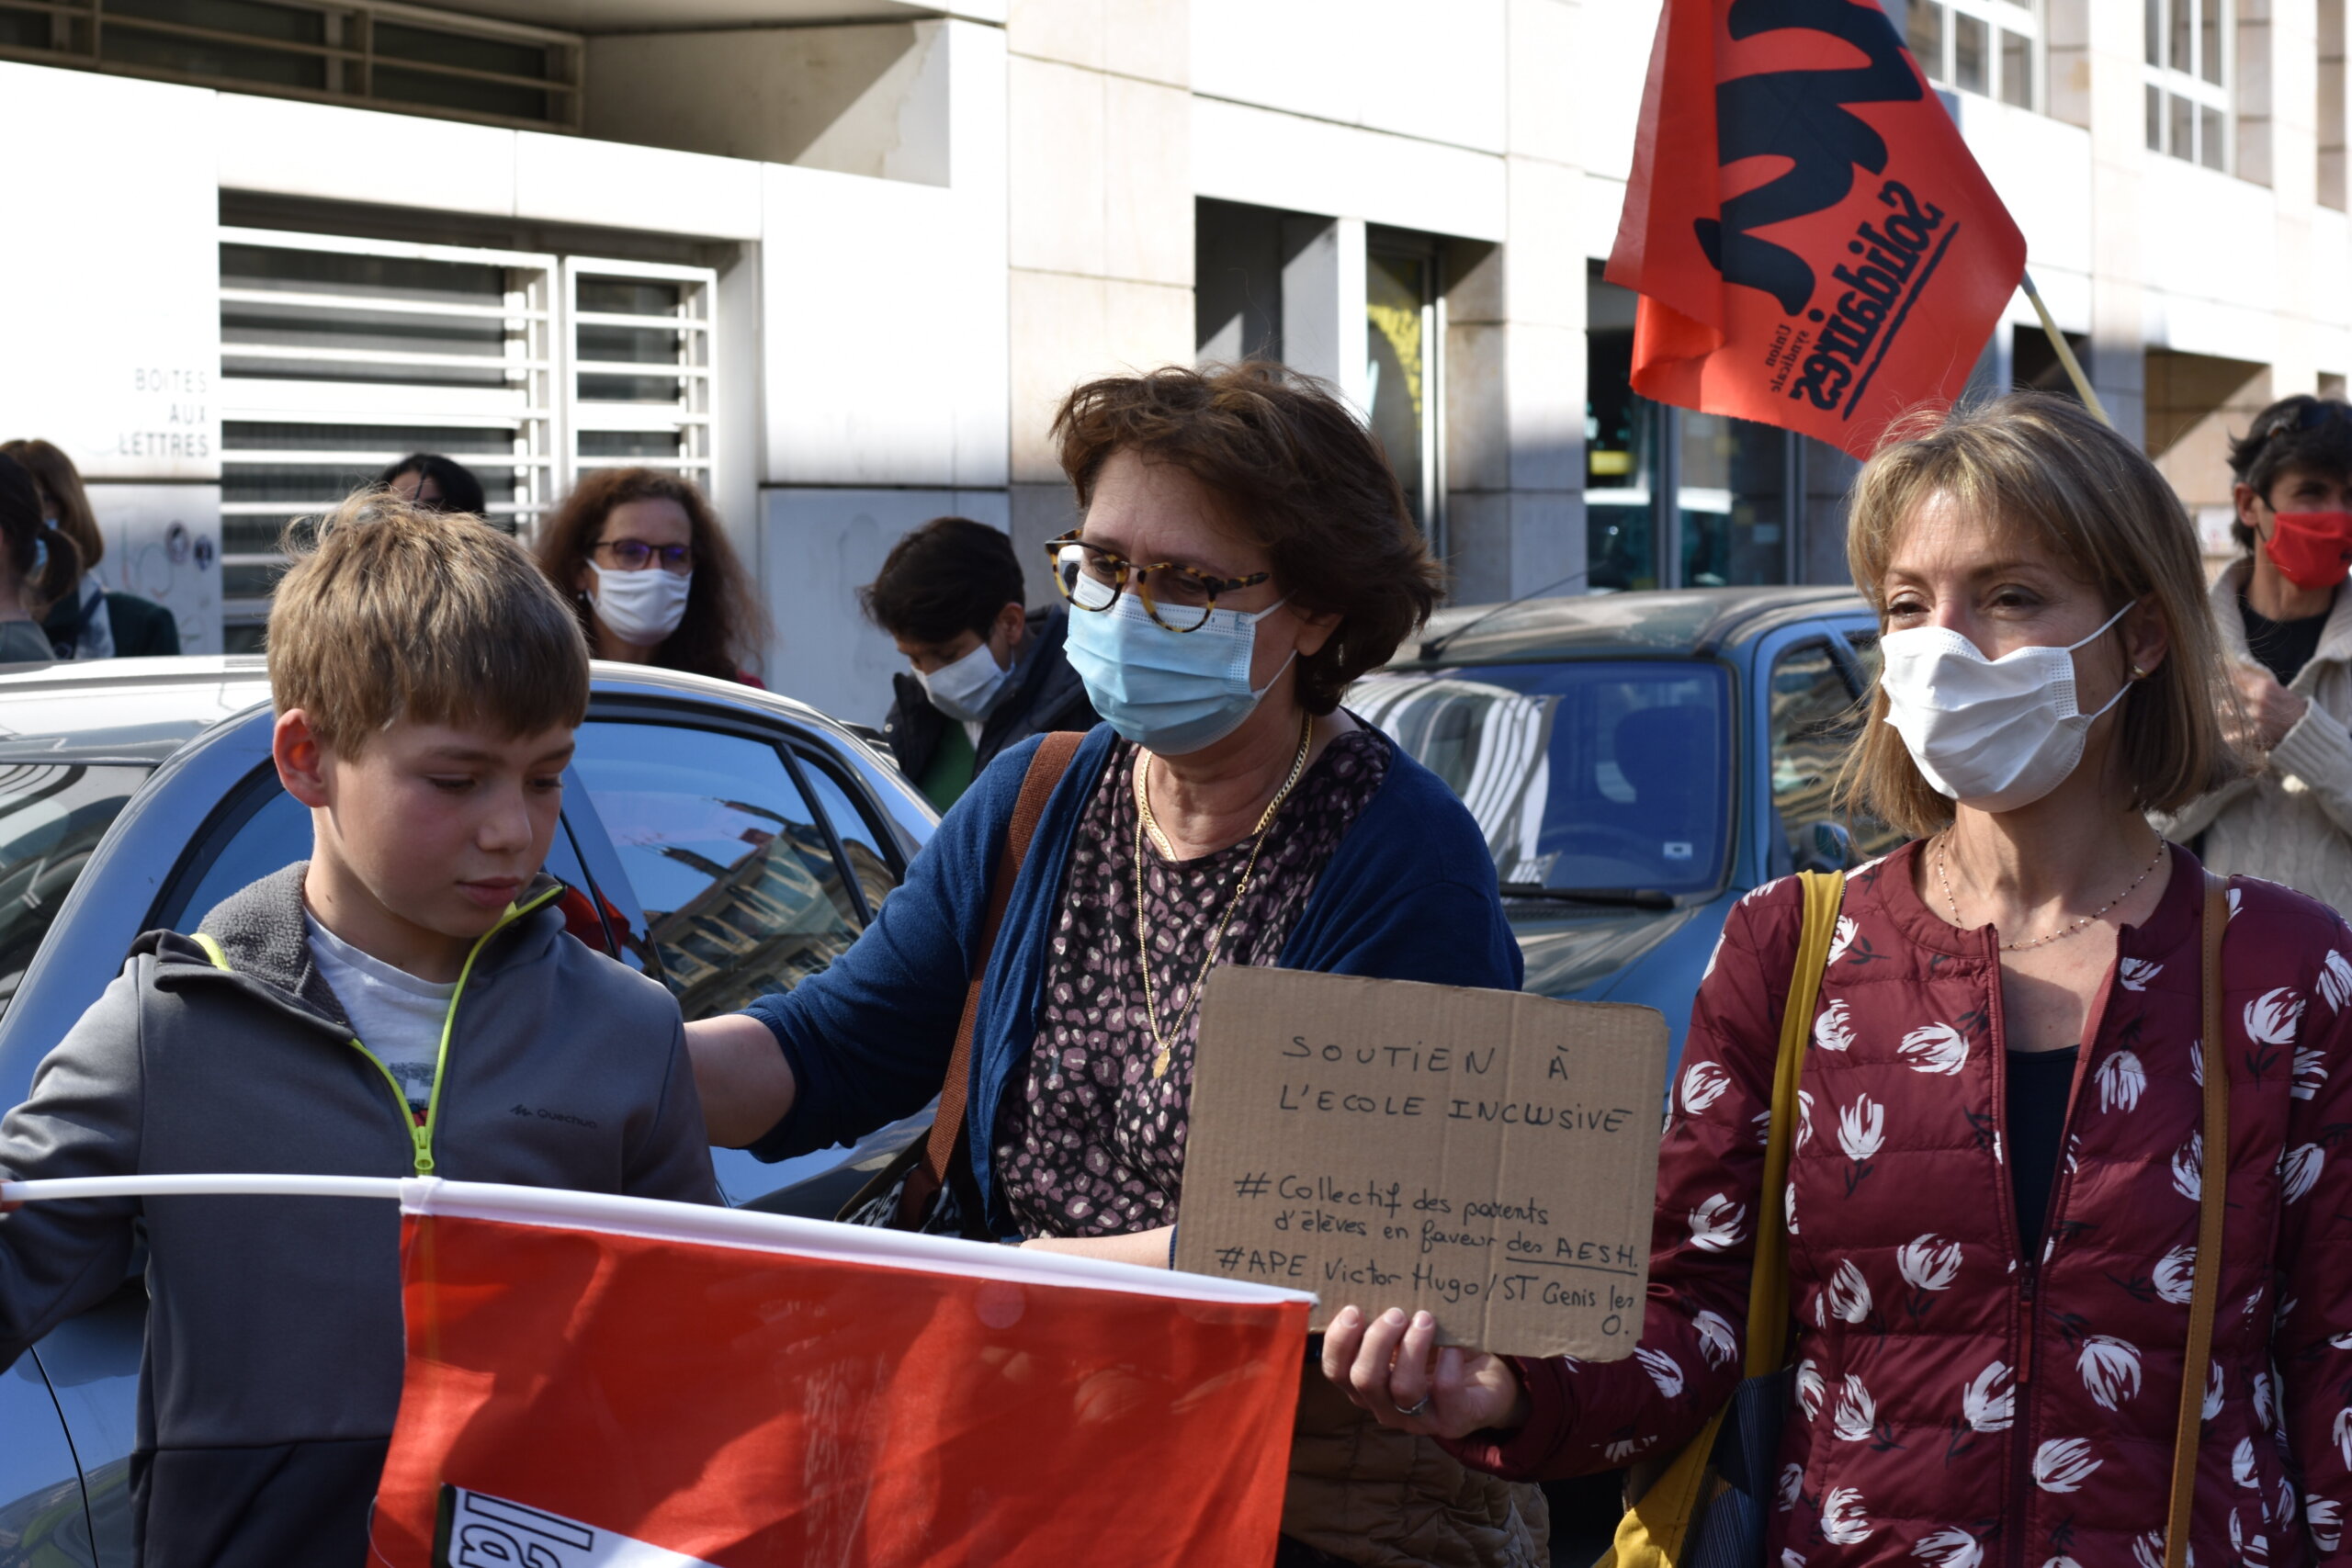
838, 260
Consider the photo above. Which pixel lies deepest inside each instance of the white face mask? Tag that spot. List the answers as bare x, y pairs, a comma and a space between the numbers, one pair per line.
964, 690
1991, 733
641, 608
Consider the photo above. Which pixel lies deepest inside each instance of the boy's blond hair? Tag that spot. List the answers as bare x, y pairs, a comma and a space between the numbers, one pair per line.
399, 613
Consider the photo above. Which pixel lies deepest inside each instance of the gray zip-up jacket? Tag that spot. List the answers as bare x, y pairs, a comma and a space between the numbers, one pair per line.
274, 1335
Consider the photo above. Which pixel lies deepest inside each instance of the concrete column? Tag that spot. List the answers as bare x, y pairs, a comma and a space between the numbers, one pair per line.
1324, 324
1515, 340
2291, 31
2114, 49
1099, 222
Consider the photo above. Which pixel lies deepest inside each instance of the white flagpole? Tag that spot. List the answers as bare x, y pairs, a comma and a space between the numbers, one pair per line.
695, 1224
2067, 359
296, 1186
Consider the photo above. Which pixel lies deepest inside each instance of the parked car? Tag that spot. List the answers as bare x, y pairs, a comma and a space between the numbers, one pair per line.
723, 840
1639, 761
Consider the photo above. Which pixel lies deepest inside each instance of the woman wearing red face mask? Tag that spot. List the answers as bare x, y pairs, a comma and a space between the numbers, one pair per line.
2286, 624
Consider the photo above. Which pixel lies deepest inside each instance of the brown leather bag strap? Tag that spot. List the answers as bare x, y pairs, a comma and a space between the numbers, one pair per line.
2212, 1199
1046, 767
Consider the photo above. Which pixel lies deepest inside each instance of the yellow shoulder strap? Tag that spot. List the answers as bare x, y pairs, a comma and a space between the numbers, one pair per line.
1651, 1534
212, 951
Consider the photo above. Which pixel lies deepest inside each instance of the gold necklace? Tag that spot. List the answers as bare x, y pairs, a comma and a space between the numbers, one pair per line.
1144, 824
1944, 839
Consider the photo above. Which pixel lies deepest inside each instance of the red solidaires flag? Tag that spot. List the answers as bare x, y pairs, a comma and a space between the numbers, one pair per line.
1813, 243
611, 1383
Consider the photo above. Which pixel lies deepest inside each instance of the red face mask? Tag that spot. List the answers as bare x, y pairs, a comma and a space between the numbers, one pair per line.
2311, 549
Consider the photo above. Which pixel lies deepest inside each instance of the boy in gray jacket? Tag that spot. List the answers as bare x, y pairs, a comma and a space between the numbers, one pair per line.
405, 1002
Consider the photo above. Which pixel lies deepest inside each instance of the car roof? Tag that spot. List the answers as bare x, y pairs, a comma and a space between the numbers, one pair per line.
1684, 621
145, 709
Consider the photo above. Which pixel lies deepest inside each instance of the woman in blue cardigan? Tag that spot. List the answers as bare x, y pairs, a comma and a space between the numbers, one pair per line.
1246, 554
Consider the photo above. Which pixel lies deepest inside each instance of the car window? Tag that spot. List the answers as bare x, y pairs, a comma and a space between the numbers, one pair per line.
275, 833
913, 820
732, 867
52, 816
861, 844
1586, 775
1814, 720
1866, 654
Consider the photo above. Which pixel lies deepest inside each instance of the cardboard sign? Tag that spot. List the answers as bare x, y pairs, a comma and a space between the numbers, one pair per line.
1487, 1156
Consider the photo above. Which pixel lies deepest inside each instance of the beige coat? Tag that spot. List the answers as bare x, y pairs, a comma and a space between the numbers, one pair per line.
2293, 821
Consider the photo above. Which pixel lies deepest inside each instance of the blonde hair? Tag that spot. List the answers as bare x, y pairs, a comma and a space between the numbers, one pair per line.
397, 612
2042, 470
61, 485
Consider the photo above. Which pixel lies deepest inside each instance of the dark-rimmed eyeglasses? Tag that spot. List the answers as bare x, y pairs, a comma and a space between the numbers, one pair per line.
1178, 598
636, 555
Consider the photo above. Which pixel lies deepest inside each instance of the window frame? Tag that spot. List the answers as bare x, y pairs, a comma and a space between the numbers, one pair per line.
2165, 79
1999, 16
345, 50
693, 421
539, 402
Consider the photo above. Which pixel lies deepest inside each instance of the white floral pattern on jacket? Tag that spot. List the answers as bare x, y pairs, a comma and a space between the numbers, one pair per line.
1940, 1416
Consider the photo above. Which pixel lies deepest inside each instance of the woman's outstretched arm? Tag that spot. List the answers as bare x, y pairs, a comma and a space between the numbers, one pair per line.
745, 1083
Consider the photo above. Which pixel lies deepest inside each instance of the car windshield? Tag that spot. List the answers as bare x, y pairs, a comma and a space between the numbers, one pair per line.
1594, 776
52, 816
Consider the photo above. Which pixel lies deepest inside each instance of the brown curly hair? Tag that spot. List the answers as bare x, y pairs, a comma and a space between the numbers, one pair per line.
1298, 477
724, 624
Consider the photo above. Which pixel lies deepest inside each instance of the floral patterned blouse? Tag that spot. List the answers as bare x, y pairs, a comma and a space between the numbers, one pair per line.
1092, 1143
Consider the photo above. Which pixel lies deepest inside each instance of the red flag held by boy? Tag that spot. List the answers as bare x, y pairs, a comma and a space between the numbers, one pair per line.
1814, 245
609, 1382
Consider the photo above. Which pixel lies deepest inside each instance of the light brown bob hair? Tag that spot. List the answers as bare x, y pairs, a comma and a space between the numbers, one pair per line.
724, 626
2045, 472
1297, 476
60, 483
400, 612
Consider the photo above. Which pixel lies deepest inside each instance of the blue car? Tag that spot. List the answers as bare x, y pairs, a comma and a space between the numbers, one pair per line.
1639, 762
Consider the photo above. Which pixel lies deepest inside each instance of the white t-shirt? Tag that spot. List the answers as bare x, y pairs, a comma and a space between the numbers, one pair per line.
397, 1016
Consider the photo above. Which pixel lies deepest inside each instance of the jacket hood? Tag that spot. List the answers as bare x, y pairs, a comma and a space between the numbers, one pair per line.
263, 935
1046, 687
2334, 638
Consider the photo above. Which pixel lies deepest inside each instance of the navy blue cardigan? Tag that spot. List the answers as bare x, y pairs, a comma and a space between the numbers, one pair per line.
1408, 895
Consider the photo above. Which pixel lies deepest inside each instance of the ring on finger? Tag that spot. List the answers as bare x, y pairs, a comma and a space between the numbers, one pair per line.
1414, 1409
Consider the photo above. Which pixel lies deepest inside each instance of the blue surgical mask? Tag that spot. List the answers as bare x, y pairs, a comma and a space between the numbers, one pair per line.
1169, 693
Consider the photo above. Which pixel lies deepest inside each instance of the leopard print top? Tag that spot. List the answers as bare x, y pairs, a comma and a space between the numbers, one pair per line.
1093, 1144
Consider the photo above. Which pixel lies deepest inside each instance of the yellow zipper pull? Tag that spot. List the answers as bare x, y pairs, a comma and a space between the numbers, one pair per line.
424, 1139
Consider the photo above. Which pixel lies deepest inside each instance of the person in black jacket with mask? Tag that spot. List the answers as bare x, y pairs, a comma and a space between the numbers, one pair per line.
987, 673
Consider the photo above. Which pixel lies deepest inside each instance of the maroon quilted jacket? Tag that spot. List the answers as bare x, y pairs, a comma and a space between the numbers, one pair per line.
1955, 1404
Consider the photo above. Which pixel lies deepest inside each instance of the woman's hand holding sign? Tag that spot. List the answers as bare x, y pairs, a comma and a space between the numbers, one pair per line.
1394, 1368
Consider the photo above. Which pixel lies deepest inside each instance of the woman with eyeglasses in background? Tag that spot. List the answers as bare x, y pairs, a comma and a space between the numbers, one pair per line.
1246, 554
644, 559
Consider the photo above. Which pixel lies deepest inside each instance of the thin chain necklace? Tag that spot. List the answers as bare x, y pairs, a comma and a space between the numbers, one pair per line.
1144, 824
1944, 839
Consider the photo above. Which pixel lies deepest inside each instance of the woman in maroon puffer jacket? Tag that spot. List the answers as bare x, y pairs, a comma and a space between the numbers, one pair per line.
1992, 1200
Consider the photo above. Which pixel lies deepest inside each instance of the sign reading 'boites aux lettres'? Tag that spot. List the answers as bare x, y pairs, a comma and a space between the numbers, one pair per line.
1487, 1156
